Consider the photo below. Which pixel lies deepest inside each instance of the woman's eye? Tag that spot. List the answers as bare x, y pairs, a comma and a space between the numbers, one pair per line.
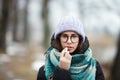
74, 36
64, 36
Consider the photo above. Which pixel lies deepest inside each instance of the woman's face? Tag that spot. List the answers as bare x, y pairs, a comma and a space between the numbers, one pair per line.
69, 39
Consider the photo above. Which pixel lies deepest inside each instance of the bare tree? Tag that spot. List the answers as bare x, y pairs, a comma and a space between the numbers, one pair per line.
26, 31
45, 22
3, 24
15, 19
20, 17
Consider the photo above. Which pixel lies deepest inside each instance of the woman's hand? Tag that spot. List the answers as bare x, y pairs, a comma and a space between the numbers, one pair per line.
65, 59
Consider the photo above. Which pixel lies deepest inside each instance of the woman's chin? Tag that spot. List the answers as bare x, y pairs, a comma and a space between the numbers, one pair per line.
71, 51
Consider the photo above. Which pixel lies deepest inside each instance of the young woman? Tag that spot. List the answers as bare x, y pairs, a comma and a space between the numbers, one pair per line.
69, 56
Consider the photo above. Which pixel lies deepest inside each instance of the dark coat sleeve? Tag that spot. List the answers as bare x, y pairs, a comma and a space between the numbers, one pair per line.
99, 72
41, 74
62, 74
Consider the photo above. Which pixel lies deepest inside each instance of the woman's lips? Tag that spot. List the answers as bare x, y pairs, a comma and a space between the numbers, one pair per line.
70, 48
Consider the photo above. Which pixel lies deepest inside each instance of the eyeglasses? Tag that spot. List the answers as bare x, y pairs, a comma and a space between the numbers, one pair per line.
74, 38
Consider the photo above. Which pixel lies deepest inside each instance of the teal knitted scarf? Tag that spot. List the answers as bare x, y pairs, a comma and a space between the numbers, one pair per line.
83, 66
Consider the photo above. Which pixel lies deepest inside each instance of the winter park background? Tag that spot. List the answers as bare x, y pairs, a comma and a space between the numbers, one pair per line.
36, 22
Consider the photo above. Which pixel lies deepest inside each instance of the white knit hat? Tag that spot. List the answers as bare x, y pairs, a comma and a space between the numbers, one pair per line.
70, 23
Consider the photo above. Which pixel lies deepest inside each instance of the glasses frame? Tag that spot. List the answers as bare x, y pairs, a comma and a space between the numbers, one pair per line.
69, 37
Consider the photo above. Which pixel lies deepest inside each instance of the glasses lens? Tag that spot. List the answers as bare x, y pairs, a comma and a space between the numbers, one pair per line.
74, 38
64, 38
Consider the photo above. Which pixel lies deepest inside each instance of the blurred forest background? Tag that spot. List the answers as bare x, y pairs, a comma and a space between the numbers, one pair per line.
27, 25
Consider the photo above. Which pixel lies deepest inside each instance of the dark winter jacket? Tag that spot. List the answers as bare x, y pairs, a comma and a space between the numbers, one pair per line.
62, 74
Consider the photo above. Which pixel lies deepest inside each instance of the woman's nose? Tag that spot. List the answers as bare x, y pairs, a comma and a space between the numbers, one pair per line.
69, 40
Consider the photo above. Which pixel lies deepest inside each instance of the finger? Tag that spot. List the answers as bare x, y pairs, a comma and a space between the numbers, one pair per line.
66, 49
68, 56
63, 52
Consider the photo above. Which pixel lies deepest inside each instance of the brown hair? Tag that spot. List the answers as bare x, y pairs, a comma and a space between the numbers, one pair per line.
82, 46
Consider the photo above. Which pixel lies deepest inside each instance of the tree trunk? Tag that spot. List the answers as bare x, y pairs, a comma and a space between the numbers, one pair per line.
3, 24
15, 20
116, 66
26, 34
45, 23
